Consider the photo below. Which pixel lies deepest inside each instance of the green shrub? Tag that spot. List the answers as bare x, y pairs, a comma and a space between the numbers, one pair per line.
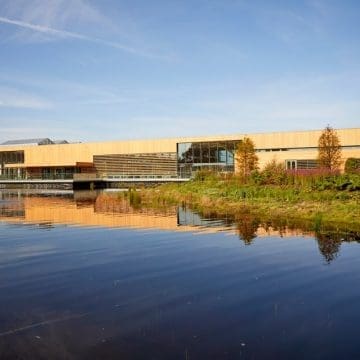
205, 175
134, 197
352, 166
274, 173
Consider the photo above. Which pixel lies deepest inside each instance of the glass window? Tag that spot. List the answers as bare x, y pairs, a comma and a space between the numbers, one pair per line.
12, 157
291, 164
222, 153
184, 151
213, 153
218, 156
197, 152
230, 157
205, 153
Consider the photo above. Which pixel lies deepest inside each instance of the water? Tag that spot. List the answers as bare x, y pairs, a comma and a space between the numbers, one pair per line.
80, 279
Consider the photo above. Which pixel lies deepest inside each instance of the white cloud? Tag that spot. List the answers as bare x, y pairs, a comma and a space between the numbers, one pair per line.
53, 13
291, 102
291, 24
18, 128
65, 92
12, 98
50, 20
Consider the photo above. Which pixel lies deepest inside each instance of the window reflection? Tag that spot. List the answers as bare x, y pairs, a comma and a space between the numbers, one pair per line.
214, 155
205, 152
197, 153
11, 157
184, 152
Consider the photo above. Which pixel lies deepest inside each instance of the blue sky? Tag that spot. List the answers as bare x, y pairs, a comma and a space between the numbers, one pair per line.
113, 69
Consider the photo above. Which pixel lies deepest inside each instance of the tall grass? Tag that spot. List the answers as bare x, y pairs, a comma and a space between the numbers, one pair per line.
316, 195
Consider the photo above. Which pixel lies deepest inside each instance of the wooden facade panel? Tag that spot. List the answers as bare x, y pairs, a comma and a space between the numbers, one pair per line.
66, 155
282, 156
302, 138
157, 164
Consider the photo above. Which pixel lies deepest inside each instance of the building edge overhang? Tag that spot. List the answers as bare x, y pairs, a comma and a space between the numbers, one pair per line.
35, 166
181, 139
230, 137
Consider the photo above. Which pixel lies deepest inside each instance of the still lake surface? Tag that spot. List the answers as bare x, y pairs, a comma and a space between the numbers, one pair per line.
80, 279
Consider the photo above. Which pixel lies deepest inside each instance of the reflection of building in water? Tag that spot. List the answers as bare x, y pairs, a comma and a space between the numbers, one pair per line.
65, 211
110, 211
114, 212
188, 218
11, 209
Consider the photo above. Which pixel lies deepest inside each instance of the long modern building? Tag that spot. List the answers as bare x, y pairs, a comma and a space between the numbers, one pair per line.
161, 158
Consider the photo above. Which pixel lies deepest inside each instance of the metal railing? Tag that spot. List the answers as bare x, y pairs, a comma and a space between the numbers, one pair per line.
91, 177
132, 176
86, 176
37, 177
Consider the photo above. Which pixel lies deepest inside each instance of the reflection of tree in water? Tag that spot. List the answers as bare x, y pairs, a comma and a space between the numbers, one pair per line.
247, 226
329, 245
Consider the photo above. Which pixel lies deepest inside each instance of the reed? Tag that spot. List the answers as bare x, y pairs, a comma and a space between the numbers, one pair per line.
317, 196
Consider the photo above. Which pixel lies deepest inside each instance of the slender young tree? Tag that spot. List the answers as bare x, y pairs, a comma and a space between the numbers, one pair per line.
329, 149
247, 161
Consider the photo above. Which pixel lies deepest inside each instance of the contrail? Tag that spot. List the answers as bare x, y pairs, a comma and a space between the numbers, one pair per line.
44, 29
73, 35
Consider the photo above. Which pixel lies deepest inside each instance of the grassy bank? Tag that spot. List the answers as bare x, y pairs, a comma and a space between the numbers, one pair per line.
326, 201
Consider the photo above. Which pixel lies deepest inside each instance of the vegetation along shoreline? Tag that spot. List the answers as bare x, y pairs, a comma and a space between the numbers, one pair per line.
324, 197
